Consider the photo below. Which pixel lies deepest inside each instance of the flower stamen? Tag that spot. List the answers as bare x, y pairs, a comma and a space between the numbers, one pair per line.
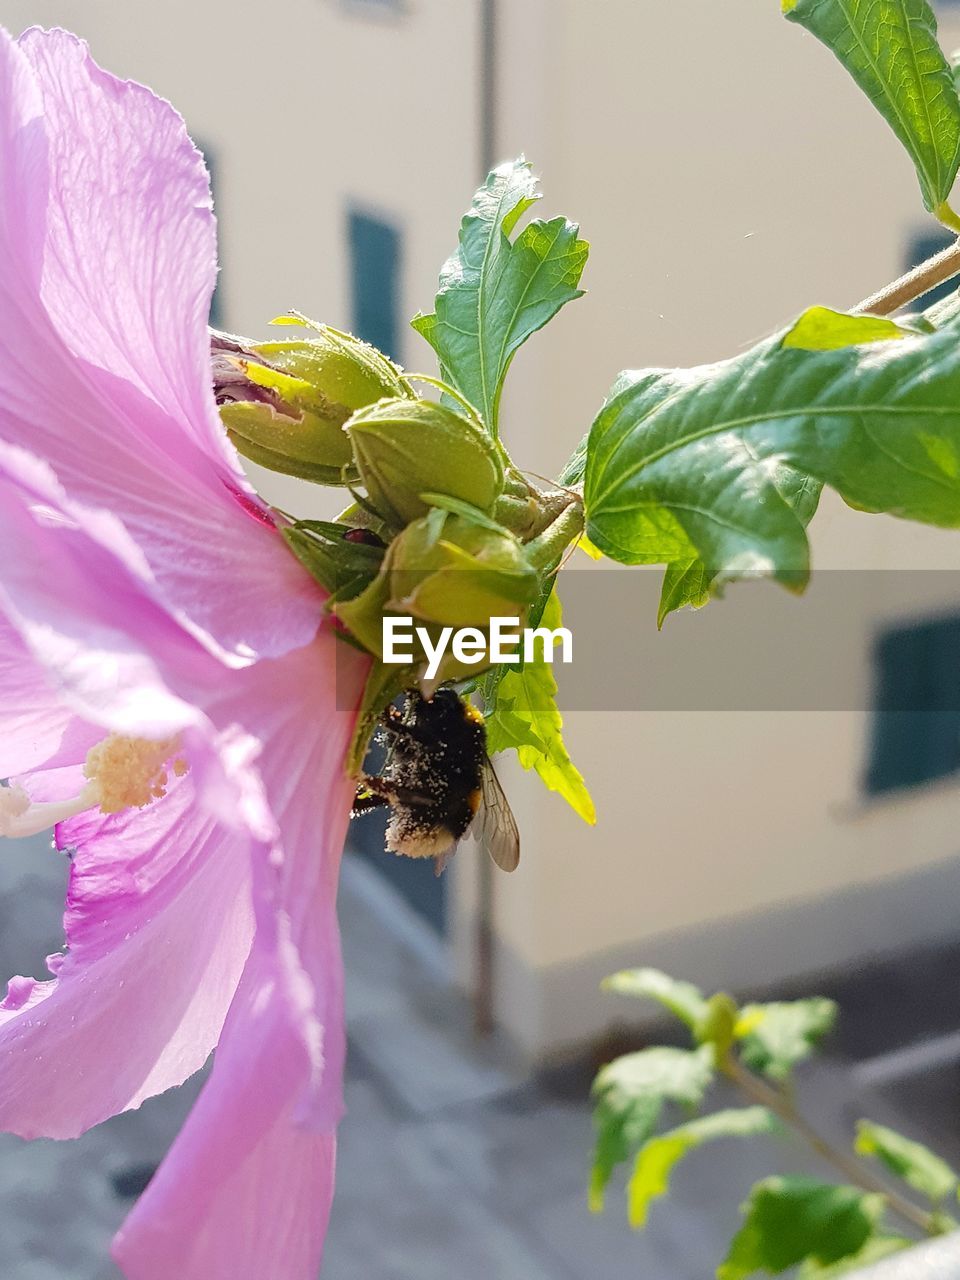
130, 773
20, 817
123, 773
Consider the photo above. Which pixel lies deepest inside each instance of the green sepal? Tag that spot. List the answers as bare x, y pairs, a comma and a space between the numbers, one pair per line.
344, 568
305, 445
384, 683
301, 394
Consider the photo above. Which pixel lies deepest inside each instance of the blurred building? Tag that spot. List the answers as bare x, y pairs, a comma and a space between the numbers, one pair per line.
727, 174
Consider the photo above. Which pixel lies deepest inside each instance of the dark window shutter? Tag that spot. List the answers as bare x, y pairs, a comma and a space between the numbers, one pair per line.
916, 727
375, 277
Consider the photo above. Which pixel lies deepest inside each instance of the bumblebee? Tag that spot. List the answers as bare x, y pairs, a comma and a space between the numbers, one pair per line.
439, 783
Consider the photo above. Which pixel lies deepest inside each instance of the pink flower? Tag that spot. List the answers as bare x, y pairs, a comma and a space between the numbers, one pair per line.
159, 647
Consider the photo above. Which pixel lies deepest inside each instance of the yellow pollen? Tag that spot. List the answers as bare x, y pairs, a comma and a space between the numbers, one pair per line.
129, 773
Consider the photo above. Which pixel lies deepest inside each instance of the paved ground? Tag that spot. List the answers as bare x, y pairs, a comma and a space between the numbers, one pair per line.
452, 1167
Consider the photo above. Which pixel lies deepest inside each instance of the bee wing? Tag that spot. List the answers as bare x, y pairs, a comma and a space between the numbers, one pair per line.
495, 827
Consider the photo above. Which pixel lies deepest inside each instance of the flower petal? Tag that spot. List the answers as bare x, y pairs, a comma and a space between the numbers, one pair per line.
38, 730
107, 263
302, 709
84, 605
243, 1193
130, 256
159, 926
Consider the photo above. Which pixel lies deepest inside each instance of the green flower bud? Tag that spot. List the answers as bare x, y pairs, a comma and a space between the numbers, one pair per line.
405, 448
452, 571
443, 570
284, 403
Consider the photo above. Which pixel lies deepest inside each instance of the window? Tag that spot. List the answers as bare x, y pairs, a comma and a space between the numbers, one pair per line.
924, 245
375, 279
373, 7
916, 726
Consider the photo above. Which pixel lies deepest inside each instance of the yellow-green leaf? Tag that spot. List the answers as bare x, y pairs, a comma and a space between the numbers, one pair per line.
525, 716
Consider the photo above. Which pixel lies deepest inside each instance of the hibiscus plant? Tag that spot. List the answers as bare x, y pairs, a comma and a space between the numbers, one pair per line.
189, 678
827, 1228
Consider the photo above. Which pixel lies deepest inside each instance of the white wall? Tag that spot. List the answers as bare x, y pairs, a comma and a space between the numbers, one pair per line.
727, 174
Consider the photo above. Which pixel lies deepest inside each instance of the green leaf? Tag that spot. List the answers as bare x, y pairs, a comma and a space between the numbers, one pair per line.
791, 1219
659, 1156
821, 329
875, 1250
911, 1161
572, 473
495, 292
775, 1037
685, 583
890, 48
629, 1095
524, 715
723, 463
692, 584
683, 999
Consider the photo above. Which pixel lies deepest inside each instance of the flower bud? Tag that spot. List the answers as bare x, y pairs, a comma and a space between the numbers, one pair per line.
405, 448
443, 570
284, 403
458, 573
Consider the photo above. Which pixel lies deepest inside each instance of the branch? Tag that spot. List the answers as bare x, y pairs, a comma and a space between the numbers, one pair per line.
758, 1090
942, 266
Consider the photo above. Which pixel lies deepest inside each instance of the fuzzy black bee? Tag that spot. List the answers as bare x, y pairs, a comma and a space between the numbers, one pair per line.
439, 782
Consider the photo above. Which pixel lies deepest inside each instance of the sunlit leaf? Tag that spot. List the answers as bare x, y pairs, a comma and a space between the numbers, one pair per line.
495, 292
629, 1094
911, 1161
821, 329
775, 1037
683, 999
659, 1156
722, 465
523, 715
890, 48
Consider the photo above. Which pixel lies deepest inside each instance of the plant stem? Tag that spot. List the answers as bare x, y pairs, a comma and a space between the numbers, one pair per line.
758, 1090
942, 266
546, 550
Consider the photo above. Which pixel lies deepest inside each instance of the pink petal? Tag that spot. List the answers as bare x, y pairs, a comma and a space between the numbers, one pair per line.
84, 605
107, 263
37, 729
302, 708
159, 925
245, 1191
